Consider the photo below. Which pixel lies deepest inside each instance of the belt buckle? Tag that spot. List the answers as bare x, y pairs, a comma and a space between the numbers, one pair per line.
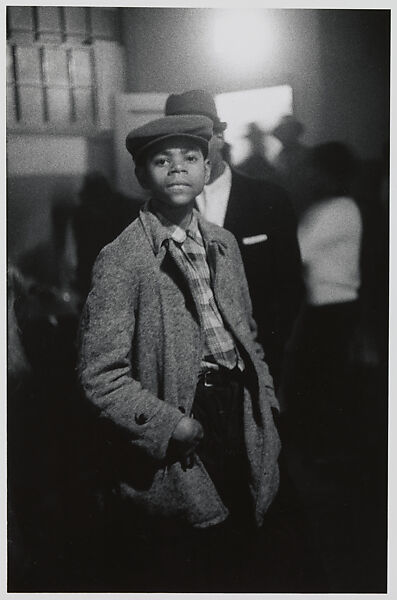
206, 384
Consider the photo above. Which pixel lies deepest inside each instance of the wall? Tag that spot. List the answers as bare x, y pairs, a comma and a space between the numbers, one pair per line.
335, 61
43, 172
356, 76
46, 169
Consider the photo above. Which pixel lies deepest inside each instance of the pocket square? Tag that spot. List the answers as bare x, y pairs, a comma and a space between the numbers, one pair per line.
254, 239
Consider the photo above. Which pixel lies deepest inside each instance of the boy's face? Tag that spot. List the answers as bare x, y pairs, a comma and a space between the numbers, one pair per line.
175, 172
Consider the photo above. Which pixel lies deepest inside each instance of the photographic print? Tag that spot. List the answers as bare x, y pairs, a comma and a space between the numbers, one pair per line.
197, 214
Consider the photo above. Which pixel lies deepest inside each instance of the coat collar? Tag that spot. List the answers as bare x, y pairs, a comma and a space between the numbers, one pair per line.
157, 233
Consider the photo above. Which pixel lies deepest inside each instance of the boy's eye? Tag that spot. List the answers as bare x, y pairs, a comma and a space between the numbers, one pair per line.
159, 161
191, 158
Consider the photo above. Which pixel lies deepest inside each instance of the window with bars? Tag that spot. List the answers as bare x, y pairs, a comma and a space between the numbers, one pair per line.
51, 65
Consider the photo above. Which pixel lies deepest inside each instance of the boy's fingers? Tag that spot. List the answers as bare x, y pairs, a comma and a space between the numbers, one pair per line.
187, 462
190, 461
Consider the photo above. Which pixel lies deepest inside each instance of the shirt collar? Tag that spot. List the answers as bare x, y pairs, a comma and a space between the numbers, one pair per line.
177, 233
166, 230
158, 233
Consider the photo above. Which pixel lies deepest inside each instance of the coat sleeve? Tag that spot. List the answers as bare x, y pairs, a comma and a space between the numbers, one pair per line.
104, 368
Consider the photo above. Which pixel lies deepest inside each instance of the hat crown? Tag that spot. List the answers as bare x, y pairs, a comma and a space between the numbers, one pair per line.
288, 124
193, 102
254, 130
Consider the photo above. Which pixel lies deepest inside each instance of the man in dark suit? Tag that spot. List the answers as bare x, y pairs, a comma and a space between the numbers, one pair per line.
262, 219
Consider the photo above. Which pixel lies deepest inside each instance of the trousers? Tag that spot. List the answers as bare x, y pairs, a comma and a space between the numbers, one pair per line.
234, 556
218, 406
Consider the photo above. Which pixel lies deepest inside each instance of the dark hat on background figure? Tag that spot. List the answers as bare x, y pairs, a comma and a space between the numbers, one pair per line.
288, 125
194, 102
192, 127
254, 131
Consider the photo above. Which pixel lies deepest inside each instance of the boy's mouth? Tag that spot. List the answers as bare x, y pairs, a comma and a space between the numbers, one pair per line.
178, 184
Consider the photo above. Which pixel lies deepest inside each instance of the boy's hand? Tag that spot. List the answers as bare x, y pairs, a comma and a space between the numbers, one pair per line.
186, 437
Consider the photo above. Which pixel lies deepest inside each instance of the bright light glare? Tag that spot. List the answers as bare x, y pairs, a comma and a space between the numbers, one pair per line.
244, 38
263, 106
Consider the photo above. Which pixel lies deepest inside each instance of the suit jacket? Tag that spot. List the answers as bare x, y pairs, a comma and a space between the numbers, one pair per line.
272, 262
140, 352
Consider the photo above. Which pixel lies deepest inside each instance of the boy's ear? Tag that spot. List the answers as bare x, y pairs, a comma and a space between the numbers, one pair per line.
141, 176
207, 169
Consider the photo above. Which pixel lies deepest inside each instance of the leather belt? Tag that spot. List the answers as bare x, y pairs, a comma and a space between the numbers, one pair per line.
219, 377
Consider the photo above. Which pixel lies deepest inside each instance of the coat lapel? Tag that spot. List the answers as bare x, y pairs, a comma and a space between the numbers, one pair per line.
235, 207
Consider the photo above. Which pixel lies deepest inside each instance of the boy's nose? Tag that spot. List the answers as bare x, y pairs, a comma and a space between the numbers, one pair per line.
176, 167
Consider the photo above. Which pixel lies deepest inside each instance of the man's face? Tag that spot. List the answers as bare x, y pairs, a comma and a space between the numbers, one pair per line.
175, 172
215, 151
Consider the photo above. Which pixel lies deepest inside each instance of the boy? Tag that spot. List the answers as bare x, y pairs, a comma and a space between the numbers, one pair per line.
168, 357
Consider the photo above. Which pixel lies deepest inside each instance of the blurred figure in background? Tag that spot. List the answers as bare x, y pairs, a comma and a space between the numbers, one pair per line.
18, 365
290, 161
101, 215
51, 262
19, 382
372, 190
318, 379
34, 540
261, 218
53, 489
256, 164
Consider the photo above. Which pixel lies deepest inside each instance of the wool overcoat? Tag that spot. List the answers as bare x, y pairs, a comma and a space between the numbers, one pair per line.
139, 357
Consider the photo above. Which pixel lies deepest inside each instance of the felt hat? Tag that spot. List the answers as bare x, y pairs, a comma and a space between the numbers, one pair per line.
288, 126
192, 127
194, 102
254, 131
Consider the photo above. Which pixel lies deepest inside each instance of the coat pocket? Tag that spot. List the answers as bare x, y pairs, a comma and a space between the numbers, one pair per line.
187, 495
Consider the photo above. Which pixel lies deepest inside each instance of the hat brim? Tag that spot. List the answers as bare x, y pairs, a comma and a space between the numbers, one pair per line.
294, 127
220, 125
151, 144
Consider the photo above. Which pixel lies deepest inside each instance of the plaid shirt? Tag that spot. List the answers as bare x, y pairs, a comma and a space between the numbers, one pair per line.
187, 249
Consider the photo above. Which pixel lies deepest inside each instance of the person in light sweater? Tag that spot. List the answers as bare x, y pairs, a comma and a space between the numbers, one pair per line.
329, 236
318, 382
